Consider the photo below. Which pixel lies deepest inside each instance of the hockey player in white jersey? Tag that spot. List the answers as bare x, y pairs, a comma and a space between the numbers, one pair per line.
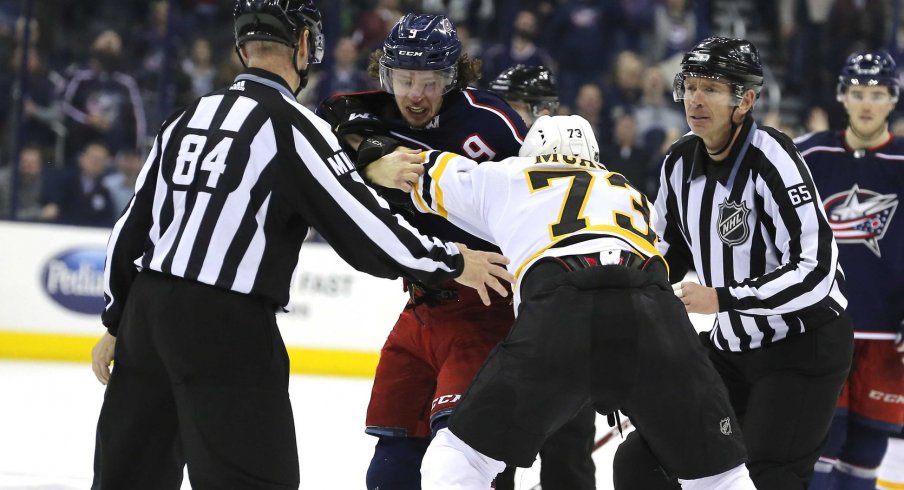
597, 322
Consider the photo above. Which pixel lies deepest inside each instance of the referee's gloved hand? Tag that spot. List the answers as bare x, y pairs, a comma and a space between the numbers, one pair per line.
102, 357
484, 269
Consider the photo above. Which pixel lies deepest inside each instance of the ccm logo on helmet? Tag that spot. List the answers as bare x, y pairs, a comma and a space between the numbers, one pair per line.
411, 53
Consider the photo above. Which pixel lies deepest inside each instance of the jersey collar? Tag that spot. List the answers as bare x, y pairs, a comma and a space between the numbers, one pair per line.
725, 170
267, 78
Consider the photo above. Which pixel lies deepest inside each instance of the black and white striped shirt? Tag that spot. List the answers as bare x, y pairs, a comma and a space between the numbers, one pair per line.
753, 228
228, 193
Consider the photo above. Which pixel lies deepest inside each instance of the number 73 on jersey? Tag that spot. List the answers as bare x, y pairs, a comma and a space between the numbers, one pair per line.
629, 208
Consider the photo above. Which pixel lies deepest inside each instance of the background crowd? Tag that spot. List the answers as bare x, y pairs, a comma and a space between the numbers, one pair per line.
85, 85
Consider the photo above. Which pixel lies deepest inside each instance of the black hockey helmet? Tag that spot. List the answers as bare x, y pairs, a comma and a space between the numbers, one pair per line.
869, 68
736, 61
279, 21
534, 85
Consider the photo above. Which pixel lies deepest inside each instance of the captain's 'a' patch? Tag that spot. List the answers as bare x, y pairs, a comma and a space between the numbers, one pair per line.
733, 228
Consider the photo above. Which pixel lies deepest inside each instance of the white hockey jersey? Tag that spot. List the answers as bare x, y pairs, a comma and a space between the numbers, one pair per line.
529, 205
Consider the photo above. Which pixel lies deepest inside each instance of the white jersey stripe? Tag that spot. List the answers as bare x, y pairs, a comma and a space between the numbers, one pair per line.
261, 153
251, 261
187, 241
238, 114
205, 111
168, 239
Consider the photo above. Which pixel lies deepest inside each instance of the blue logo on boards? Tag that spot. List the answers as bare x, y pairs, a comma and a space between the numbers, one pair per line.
75, 279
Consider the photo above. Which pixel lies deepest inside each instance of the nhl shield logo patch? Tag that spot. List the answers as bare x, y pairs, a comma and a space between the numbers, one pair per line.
725, 426
733, 229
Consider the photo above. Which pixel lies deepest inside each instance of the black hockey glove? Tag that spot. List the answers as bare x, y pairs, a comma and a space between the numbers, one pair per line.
348, 115
373, 147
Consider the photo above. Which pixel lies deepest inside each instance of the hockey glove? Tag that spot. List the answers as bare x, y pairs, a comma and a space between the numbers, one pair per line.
347, 116
374, 147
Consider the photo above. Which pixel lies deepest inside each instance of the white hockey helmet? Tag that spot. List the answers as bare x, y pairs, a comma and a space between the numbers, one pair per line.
564, 135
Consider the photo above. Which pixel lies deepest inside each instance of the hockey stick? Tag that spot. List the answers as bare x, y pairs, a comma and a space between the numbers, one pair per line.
625, 425
602, 441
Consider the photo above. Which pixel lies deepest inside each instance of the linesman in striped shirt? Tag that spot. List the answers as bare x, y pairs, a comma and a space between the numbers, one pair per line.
202, 257
737, 203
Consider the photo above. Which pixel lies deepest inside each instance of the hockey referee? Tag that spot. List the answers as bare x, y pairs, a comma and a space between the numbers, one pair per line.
738, 204
202, 257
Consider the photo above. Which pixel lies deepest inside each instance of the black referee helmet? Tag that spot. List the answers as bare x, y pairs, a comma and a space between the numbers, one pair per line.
279, 21
533, 85
736, 61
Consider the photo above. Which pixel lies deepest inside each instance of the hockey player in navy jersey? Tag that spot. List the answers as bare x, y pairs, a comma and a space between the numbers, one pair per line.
443, 335
859, 172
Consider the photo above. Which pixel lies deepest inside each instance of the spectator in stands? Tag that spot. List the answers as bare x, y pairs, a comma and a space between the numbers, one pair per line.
34, 185
160, 46
346, 75
41, 107
102, 103
373, 25
199, 67
589, 105
83, 199
674, 29
817, 120
521, 50
630, 159
228, 68
659, 118
121, 182
805, 31
581, 36
625, 88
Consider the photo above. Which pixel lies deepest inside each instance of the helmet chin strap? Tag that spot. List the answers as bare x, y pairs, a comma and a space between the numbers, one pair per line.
302, 73
731, 129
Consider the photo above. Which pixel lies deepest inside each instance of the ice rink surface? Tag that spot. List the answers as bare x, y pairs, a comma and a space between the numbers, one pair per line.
48, 414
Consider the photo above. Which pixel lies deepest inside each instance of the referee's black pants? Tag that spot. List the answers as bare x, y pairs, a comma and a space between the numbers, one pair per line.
785, 396
200, 378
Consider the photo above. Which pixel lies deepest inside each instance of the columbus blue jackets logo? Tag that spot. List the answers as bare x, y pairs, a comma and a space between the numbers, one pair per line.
733, 229
861, 216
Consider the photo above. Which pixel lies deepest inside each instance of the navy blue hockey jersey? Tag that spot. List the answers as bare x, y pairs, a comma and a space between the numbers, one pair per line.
474, 123
860, 191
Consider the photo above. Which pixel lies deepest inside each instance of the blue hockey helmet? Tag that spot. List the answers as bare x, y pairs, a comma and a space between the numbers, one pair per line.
868, 69
422, 42
735, 61
279, 21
